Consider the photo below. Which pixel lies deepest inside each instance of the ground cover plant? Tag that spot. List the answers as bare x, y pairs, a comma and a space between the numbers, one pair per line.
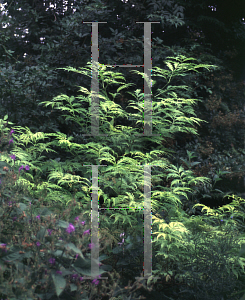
45, 225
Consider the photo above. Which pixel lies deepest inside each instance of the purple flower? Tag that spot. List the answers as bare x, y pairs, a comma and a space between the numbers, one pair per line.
91, 246
95, 281
12, 131
86, 232
70, 228
22, 167
52, 260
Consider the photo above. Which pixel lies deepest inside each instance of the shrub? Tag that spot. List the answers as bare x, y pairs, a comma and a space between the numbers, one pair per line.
57, 243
